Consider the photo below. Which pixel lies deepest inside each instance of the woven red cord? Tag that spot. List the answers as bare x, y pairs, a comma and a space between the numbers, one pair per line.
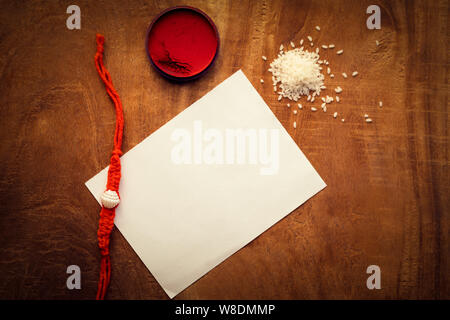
106, 223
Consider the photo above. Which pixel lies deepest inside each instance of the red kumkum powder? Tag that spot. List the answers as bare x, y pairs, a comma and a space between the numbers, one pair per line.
182, 42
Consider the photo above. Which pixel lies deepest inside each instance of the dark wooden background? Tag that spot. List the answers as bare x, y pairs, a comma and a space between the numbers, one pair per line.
387, 198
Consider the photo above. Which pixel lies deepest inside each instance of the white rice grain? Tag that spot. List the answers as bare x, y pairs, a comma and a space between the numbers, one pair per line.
262, 81
317, 28
368, 120
340, 52
324, 46
309, 38
335, 115
300, 106
295, 124
313, 109
264, 58
355, 73
338, 89
331, 46
344, 75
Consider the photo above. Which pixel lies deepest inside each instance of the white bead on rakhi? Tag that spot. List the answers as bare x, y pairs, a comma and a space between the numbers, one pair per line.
110, 199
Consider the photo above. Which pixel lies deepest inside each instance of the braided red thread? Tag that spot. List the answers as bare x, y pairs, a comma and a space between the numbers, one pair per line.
106, 223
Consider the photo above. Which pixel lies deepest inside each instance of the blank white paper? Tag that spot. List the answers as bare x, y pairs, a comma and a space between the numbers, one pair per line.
183, 219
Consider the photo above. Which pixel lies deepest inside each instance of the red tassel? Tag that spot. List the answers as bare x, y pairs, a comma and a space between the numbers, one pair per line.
105, 277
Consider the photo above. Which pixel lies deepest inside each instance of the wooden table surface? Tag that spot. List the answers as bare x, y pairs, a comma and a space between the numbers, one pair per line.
387, 200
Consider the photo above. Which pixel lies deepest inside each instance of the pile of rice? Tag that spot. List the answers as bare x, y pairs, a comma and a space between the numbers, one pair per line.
297, 72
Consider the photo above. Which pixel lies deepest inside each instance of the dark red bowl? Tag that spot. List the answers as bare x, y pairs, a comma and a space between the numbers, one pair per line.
182, 43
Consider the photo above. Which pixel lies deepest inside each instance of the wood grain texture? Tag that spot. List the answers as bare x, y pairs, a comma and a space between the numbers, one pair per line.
387, 198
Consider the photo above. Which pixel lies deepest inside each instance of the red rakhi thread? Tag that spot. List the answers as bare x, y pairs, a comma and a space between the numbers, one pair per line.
110, 198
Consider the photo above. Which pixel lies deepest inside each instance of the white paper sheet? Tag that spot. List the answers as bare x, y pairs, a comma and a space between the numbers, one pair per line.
184, 219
